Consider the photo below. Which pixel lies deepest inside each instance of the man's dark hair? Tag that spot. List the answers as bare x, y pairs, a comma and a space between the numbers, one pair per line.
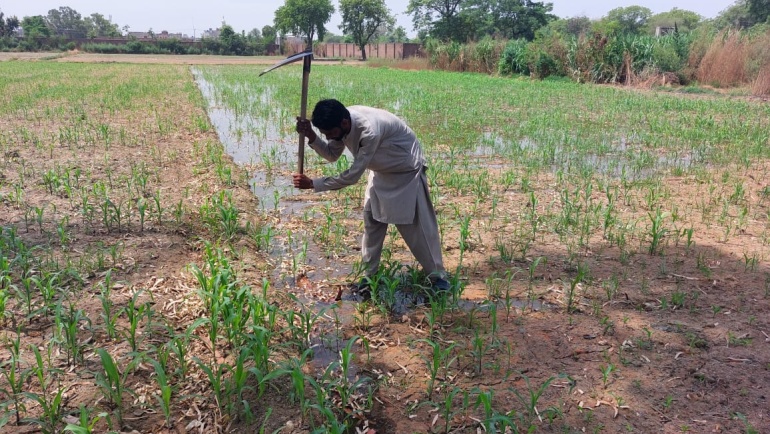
329, 113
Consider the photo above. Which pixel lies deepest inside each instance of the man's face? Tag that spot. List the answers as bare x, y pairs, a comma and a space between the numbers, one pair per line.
335, 133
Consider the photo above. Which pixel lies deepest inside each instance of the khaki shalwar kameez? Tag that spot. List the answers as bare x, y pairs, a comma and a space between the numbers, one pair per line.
397, 189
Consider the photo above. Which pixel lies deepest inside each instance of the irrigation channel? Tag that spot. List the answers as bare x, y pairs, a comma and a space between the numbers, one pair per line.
236, 133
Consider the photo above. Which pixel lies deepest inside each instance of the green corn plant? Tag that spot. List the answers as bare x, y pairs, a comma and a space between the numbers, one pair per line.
572, 287
15, 380
25, 293
70, 323
531, 399
449, 410
491, 417
235, 385
158, 207
86, 423
657, 232
440, 359
134, 315
141, 206
478, 350
607, 370
164, 398
216, 375
108, 316
344, 387
49, 399
112, 382
293, 369
332, 424
464, 235
3, 305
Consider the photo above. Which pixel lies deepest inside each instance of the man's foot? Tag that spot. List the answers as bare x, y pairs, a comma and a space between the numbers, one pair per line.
441, 284
362, 288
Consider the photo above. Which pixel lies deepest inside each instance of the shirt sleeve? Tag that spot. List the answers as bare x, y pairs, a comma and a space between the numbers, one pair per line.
330, 151
368, 146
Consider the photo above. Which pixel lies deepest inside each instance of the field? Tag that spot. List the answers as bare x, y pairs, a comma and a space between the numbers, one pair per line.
608, 250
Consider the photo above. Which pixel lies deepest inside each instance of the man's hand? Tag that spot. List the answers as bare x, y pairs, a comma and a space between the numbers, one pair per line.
302, 182
304, 127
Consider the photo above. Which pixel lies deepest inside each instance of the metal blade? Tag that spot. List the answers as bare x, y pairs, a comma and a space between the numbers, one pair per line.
290, 59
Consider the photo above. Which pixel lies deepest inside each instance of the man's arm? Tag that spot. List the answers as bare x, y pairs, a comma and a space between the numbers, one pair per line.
329, 151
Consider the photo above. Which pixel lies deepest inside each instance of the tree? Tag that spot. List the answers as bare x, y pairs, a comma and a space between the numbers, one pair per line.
361, 19
8, 25
759, 10
516, 19
232, 42
66, 21
269, 34
35, 27
304, 18
100, 27
438, 18
736, 15
631, 19
683, 20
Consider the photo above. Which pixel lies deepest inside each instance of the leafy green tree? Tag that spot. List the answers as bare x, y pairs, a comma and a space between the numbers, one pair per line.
630, 19
304, 18
394, 34
515, 19
437, 18
8, 25
99, 27
232, 43
736, 15
362, 19
269, 34
35, 27
683, 20
572, 27
759, 10
66, 21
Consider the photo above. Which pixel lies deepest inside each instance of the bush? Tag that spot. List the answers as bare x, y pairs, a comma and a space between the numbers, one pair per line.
135, 47
102, 48
514, 58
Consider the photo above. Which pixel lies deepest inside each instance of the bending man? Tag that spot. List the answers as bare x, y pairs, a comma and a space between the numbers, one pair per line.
397, 189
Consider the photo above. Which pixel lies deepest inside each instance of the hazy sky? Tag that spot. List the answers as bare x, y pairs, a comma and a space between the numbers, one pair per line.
193, 16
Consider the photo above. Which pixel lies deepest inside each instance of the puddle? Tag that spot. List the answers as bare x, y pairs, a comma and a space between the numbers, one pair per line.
616, 159
261, 147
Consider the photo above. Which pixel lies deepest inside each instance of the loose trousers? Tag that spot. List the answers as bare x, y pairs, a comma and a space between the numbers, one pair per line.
421, 236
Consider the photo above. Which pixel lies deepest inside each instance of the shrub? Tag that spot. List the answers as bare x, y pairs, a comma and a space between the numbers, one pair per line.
514, 58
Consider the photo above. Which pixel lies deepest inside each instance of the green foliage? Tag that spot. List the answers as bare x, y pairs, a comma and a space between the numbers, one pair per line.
8, 25
35, 27
630, 19
514, 58
362, 19
683, 20
306, 18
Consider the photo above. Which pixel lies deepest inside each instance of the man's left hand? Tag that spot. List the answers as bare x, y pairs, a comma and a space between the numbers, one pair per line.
302, 182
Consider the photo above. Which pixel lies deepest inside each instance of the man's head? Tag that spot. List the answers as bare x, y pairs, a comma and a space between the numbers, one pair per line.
331, 118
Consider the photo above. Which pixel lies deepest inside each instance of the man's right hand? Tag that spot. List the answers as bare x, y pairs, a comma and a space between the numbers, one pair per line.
304, 127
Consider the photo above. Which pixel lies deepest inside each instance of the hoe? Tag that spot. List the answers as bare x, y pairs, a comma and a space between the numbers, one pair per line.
306, 57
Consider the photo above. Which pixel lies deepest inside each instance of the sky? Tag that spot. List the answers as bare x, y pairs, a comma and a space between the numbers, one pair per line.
193, 16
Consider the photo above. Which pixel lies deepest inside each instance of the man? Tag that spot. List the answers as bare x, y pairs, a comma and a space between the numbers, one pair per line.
397, 189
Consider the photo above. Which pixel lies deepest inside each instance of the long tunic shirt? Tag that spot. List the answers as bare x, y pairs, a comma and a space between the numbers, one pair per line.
384, 144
